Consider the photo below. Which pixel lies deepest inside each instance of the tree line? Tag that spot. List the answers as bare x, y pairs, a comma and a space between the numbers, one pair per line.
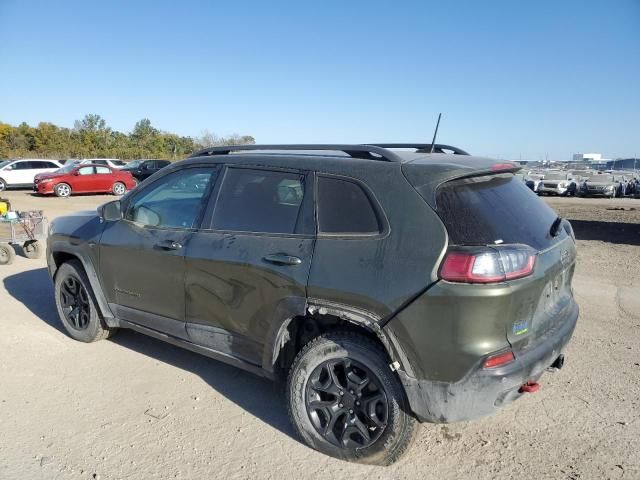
91, 137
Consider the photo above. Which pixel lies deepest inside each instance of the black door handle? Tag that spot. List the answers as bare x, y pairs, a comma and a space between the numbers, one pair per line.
282, 259
169, 245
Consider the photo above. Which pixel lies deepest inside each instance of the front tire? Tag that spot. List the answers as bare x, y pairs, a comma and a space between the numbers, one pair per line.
76, 304
345, 401
3, 185
62, 190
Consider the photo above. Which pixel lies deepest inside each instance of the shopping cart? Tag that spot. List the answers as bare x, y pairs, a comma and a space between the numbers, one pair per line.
22, 228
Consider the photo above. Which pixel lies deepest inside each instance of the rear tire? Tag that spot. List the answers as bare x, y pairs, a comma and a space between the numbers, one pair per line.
32, 249
345, 401
62, 190
3, 185
77, 306
7, 254
119, 189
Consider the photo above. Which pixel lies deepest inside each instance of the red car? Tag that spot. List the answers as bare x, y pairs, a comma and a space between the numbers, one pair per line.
87, 178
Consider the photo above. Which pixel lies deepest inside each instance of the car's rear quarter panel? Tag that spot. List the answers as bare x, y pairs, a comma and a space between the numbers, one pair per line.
380, 274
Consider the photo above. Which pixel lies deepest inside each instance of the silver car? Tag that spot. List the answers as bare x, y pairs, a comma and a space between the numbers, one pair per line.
558, 183
604, 184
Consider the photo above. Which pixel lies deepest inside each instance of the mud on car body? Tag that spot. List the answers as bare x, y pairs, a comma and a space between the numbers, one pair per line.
386, 284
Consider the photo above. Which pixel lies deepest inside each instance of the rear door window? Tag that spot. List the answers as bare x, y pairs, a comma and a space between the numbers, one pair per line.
345, 208
494, 209
259, 201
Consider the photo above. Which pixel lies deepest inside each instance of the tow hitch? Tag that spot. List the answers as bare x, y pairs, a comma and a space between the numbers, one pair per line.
530, 387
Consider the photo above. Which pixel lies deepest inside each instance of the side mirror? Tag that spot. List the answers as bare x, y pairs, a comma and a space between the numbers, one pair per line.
111, 212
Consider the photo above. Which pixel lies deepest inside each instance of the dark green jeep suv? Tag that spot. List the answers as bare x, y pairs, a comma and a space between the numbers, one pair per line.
387, 284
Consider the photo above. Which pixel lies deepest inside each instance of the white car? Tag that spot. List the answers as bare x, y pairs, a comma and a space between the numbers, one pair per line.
20, 173
107, 162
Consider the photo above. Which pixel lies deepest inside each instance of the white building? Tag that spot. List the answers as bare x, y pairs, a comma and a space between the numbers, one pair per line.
587, 157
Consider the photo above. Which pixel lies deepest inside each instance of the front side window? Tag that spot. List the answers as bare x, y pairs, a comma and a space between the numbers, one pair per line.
86, 171
345, 208
259, 201
22, 166
173, 201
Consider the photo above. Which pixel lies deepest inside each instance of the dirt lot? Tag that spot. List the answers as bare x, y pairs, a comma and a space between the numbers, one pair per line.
136, 408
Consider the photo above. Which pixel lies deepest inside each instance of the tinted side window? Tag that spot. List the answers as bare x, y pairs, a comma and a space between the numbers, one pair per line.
259, 201
173, 201
344, 207
22, 166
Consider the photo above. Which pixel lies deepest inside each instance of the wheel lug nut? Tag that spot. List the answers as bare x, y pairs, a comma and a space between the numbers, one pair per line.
341, 405
341, 392
351, 412
358, 403
351, 392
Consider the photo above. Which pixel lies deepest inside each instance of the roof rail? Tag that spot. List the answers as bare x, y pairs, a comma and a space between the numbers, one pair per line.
422, 147
367, 152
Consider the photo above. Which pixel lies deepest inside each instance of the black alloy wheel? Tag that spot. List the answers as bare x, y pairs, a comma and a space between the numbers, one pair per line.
346, 403
75, 303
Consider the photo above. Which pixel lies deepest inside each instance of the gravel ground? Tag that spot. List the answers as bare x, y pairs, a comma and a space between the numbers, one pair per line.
136, 408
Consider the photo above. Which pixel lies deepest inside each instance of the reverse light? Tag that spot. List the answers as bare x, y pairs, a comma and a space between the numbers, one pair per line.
488, 264
499, 360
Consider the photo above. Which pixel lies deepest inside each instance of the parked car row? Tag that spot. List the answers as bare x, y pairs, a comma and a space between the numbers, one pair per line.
583, 183
64, 178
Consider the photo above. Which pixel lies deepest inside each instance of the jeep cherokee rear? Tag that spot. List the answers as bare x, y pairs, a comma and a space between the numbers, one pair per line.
385, 286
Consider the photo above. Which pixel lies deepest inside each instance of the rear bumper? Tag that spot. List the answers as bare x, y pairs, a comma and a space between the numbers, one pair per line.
482, 392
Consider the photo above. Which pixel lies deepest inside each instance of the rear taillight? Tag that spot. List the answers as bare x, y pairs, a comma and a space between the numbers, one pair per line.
487, 264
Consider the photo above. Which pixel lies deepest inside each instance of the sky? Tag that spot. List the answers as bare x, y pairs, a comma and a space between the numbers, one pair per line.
513, 79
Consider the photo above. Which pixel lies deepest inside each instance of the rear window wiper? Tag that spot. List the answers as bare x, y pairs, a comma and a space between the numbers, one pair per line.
555, 227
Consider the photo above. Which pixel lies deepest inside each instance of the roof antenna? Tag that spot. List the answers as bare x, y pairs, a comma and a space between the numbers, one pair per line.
433, 142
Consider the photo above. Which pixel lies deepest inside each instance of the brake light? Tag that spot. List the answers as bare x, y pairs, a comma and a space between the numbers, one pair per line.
506, 166
488, 264
499, 359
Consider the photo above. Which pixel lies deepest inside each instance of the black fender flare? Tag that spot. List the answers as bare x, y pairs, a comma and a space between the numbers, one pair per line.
89, 268
293, 307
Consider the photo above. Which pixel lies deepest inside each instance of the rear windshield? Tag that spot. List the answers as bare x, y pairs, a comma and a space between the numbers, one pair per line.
494, 209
